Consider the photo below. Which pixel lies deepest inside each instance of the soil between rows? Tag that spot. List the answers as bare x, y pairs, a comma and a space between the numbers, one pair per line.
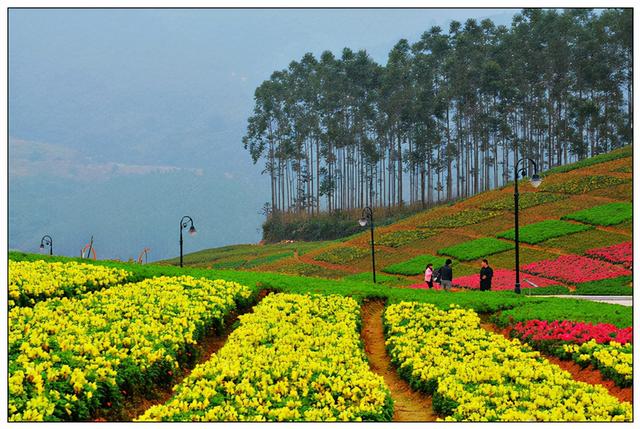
409, 405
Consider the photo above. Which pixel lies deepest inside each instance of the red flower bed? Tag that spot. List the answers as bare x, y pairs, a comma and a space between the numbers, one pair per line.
542, 331
620, 253
502, 280
576, 269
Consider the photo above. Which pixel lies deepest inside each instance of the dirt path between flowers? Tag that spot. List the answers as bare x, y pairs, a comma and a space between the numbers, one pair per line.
409, 405
210, 344
587, 375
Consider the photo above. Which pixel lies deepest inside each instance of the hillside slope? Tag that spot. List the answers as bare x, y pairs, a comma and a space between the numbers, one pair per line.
435, 234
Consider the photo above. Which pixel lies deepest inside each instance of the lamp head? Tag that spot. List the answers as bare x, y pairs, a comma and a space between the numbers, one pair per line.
536, 180
41, 246
192, 230
363, 221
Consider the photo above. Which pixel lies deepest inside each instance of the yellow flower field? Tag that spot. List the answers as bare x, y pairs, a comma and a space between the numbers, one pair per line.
69, 357
30, 282
296, 357
476, 375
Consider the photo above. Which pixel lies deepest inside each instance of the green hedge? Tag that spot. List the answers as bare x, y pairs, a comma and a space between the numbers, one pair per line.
547, 290
625, 169
526, 200
415, 265
577, 310
267, 259
400, 238
381, 279
624, 152
461, 218
475, 300
541, 231
583, 184
340, 255
607, 214
615, 286
476, 249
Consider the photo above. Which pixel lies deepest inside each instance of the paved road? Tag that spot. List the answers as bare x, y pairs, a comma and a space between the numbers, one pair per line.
620, 300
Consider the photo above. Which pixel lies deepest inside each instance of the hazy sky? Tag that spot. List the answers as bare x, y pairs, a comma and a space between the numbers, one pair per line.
99, 94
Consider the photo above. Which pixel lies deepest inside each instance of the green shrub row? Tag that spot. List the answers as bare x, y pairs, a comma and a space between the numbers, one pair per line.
576, 310
625, 152
583, 184
415, 265
381, 279
475, 249
461, 218
615, 286
526, 200
340, 255
475, 300
607, 214
541, 231
267, 259
547, 290
401, 238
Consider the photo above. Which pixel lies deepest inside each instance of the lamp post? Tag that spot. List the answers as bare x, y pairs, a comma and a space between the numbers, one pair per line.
367, 218
47, 241
535, 182
184, 222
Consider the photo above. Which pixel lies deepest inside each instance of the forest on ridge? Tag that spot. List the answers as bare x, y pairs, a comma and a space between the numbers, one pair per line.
448, 115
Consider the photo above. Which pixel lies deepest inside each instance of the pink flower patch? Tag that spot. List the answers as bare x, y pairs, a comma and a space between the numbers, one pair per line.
537, 331
503, 280
620, 254
576, 269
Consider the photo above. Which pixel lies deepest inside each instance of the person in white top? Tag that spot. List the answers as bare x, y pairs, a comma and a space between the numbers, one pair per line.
428, 275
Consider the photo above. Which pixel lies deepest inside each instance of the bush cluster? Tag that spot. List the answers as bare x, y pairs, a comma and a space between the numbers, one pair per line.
415, 266
541, 231
583, 184
461, 218
341, 255
401, 238
475, 249
606, 214
526, 200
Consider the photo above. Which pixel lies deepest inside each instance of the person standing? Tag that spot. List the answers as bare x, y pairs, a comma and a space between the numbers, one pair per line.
486, 274
428, 275
446, 275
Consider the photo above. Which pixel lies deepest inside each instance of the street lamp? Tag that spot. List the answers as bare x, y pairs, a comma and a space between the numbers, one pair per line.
535, 182
367, 218
184, 222
48, 241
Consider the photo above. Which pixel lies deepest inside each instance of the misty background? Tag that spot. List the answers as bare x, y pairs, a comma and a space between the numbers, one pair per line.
123, 121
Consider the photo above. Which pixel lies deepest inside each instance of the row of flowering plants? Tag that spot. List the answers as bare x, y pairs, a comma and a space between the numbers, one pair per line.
548, 334
69, 358
295, 358
613, 360
504, 280
618, 254
476, 375
575, 269
31, 282
606, 346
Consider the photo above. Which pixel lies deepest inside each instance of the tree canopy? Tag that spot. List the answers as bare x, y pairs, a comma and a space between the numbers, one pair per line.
448, 115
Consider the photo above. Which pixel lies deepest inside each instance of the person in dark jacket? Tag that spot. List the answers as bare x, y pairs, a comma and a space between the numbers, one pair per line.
446, 275
486, 274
